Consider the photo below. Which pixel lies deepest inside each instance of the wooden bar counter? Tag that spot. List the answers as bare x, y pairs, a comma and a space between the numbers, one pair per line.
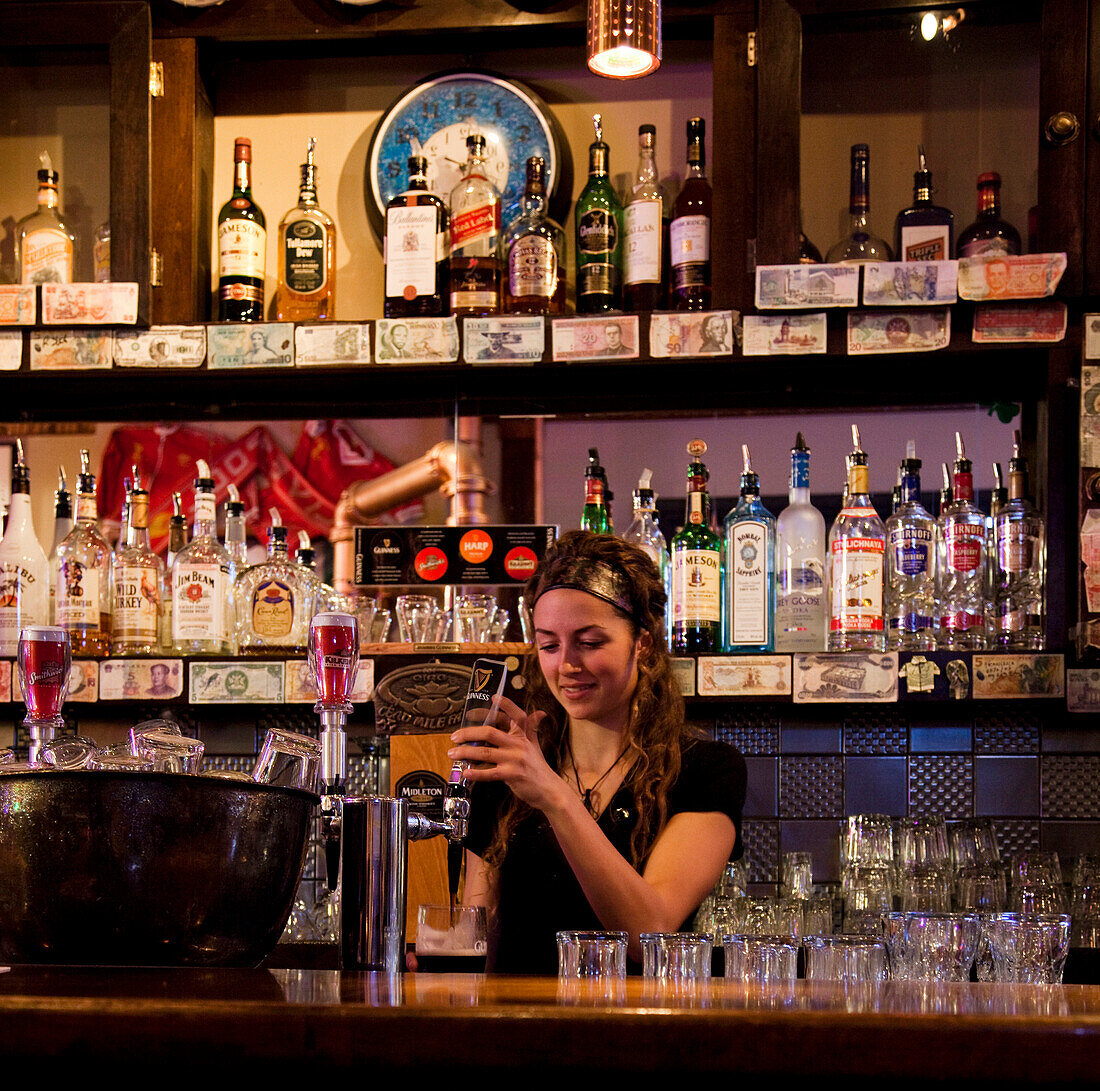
306, 1024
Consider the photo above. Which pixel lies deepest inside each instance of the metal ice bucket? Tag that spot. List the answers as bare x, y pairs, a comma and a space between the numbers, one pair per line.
146, 869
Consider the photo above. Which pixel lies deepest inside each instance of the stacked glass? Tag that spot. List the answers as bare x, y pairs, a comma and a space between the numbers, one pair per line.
1085, 901
980, 881
1035, 883
867, 872
923, 864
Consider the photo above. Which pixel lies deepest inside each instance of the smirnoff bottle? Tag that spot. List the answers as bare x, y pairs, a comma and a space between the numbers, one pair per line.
748, 614
62, 524
800, 563
962, 579
910, 566
856, 550
1020, 530
137, 581
696, 568
82, 575
24, 570
200, 580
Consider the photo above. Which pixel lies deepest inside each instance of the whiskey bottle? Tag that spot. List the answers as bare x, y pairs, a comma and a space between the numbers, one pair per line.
177, 539
696, 568
689, 231
534, 252
859, 244
24, 571
200, 580
989, 233
44, 244
62, 524
242, 245
414, 249
136, 583
856, 550
800, 563
923, 231
910, 566
236, 548
82, 575
475, 237
748, 608
643, 231
306, 290
598, 220
962, 579
595, 515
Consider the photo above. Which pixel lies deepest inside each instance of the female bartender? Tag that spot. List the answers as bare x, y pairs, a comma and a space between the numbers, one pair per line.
597, 807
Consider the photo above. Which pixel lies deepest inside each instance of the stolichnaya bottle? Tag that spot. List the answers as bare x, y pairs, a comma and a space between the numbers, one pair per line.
962, 580
748, 605
414, 249
24, 570
45, 245
136, 583
475, 236
598, 221
696, 567
242, 245
911, 566
856, 552
533, 250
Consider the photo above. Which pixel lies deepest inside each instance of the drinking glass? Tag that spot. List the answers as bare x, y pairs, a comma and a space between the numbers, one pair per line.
416, 618
760, 960
796, 873
169, 751
973, 843
867, 841
473, 618
897, 949
981, 888
852, 960
289, 760
924, 888
334, 659
591, 954
451, 939
44, 659
1030, 947
868, 893
922, 843
381, 624
676, 956
68, 752
941, 946
120, 758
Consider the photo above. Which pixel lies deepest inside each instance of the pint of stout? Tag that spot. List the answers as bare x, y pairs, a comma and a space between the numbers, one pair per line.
450, 941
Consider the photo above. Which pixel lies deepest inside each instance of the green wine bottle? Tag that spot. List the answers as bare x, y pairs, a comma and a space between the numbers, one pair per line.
599, 229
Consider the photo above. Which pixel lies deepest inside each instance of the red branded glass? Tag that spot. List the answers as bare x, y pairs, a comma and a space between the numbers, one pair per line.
334, 659
44, 661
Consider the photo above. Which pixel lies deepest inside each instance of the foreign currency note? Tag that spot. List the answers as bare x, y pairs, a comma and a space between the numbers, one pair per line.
17, 305
1090, 415
234, 682
161, 346
416, 340
11, 350
784, 334
1082, 689
1001, 323
112, 303
1090, 558
332, 344
613, 335
1000, 676
845, 676
1092, 336
83, 682
890, 331
70, 350
744, 676
702, 333
301, 689
250, 344
683, 670
909, 283
5, 679
503, 340
140, 679
1010, 276
806, 287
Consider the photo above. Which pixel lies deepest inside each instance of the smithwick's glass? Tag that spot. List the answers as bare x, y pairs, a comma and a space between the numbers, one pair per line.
44, 660
591, 954
473, 618
334, 659
451, 939
761, 960
676, 956
289, 760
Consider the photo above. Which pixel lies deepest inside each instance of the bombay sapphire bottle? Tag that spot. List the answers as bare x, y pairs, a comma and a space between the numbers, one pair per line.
748, 609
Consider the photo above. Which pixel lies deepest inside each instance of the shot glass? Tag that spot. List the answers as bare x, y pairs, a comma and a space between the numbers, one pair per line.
170, 751
416, 616
676, 956
289, 760
852, 960
760, 960
591, 954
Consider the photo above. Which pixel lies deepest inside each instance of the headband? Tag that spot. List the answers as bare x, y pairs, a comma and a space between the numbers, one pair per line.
596, 578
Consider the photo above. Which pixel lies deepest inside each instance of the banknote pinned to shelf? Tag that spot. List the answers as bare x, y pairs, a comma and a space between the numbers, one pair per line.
504, 339
1043, 322
332, 344
1010, 276
898, 331
416, 340
806, 287
11, 350
699, 333
236, 683
69, 350
845, 676
161, 346
612, 336
113, 304
909, 283
18, 306
250, 345
784, 334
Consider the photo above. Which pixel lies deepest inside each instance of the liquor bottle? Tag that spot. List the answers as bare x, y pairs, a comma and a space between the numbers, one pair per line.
859, 244
200, 580
325, 597
800, 563
598, 222
989, 233
136, 583
998, 496
748, 607
696, 567
82, 575
856, 550
962, 579
306, 290
1020, 532
533, 252
44, 244
911, 566
923, 231
943, 502
242, 245
274, 603
475, 237
643, 231
236, 548
101, 253
62, 524
595, 516
644, 530
808, 254
895, 494
24, 570
414, 249
177, 539
689, 231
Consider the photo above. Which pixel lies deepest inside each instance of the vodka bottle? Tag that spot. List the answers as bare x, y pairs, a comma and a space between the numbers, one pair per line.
136, 583
910, 566
62, 525
859, 244
644, 531
856, 551
748, 608
800, 563
236, 548
998, 496
24, 570
1020, 532
962, 578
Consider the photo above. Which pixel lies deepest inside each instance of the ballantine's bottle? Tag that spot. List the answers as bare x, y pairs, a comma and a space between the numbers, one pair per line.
415, 249
910, 566
696, 568
748, 607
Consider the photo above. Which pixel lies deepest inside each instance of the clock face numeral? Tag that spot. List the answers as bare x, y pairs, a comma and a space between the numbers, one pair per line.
465, 100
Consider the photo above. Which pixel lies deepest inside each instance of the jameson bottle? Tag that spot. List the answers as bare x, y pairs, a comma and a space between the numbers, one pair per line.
598, 222
696, 568
414, 249
534, 249
989, 233
475, 237
643, 228
748, 613
596, 516
689, 231
923, 231
242, 245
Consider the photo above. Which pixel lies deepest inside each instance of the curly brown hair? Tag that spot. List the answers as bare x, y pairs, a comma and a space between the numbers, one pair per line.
656, 728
